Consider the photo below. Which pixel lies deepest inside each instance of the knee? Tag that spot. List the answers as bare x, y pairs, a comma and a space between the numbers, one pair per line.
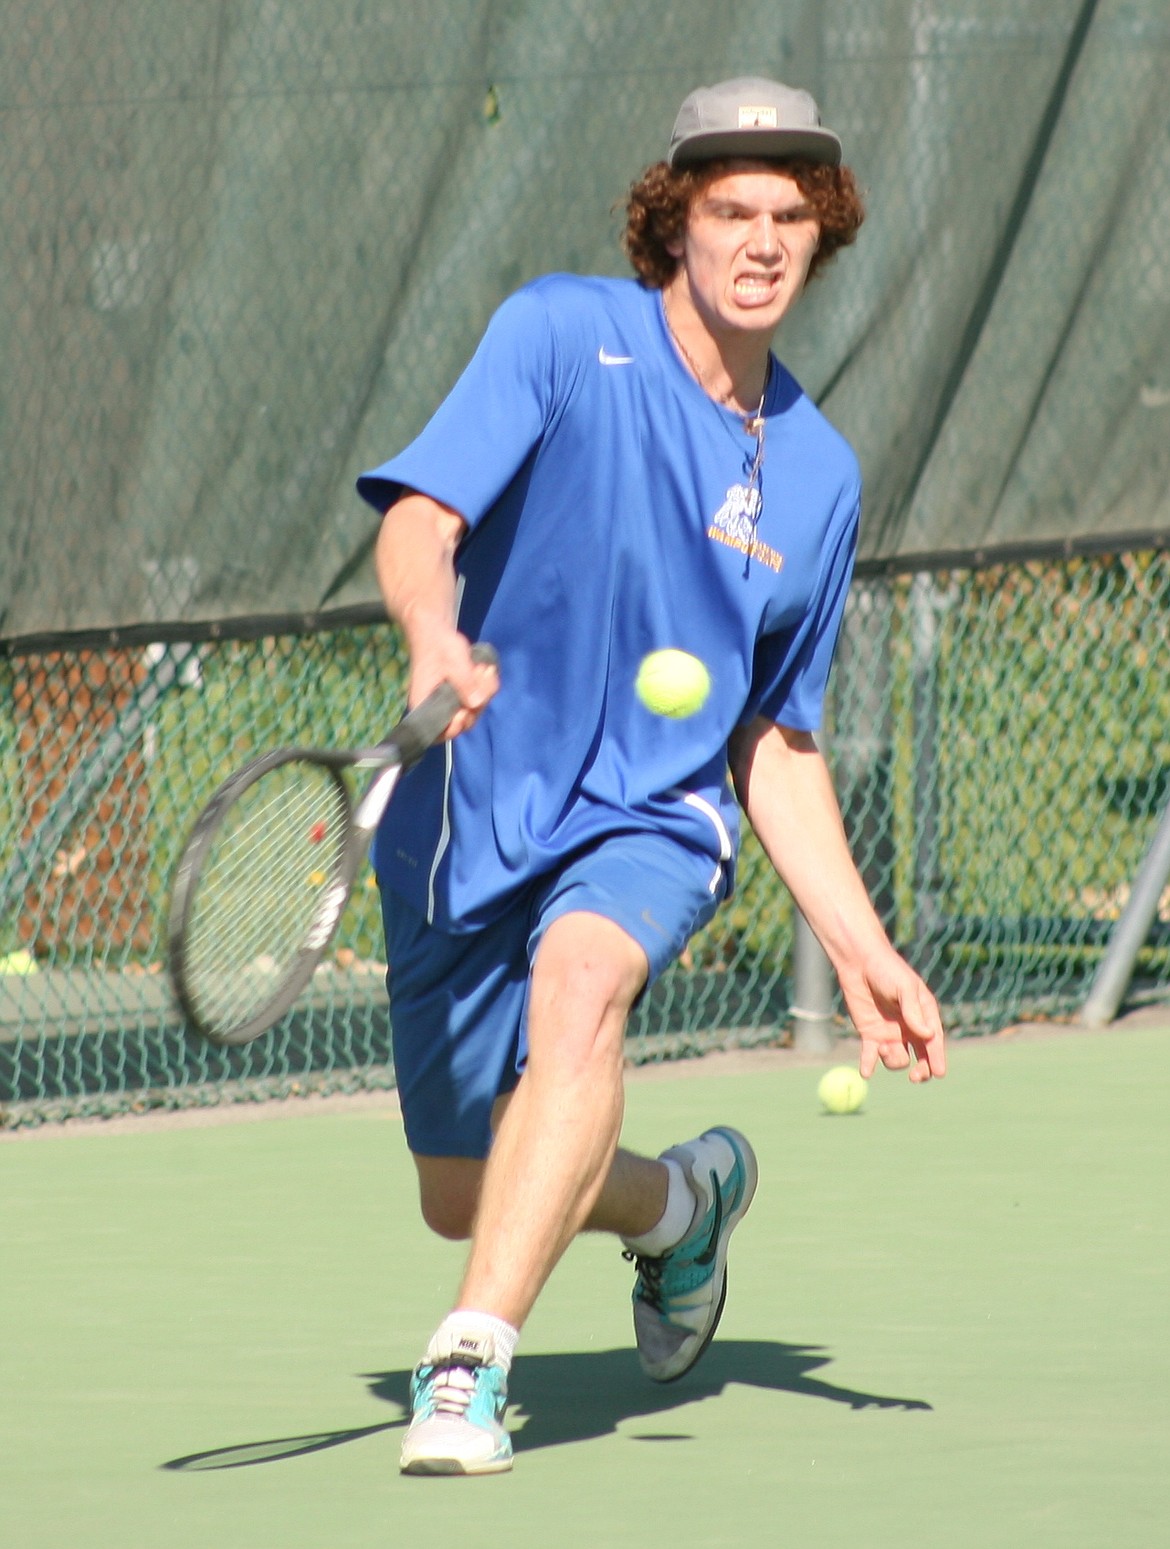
588, 967
449, 1195
447, 1218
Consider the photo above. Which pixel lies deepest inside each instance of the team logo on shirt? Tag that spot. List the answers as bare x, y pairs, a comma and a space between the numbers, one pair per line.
735, 525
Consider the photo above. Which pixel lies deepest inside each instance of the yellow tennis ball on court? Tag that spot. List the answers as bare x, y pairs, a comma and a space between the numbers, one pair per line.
842, 1089
672, 683
18, 963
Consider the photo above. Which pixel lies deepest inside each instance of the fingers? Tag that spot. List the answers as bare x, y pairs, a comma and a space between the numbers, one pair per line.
928, 1038
922, 1058
921, 1044
448, 659
485, 680
908, 1035
892, 1054
475, 688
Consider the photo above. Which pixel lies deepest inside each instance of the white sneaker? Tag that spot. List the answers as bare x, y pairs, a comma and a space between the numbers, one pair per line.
458, 1397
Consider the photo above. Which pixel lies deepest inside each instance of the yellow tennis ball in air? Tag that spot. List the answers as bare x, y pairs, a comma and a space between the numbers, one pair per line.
672, 683
842, 1089
18, 963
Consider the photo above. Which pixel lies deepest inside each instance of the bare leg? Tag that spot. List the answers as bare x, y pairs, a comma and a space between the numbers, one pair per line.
631, 1201
633, 1197
557, 1140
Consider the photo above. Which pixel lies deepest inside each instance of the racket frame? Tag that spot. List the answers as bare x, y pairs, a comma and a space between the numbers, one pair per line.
417, 732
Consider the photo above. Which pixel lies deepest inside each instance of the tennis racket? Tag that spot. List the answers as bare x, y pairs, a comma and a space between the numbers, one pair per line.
264, 878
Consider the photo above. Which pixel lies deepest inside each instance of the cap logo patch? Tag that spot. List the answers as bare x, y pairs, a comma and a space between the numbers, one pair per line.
757, 118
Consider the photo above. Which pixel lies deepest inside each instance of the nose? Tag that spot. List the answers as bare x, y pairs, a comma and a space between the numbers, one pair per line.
764, 238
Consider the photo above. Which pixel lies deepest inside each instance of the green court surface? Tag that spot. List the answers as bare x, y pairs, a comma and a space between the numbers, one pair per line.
949, 1325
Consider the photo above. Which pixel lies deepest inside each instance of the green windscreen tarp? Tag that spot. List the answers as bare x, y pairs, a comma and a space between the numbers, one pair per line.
245, 247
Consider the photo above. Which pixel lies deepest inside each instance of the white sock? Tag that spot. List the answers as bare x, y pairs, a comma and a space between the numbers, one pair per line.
464, 1320
675, 1221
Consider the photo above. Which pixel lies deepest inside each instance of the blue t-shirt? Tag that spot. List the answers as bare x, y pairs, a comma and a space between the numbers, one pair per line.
606, 499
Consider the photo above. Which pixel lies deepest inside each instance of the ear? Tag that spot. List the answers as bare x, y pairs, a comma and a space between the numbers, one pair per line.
676, 247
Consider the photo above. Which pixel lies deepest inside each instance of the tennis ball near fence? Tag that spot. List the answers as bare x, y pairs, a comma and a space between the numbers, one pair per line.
672, 683
842, 1089
18, 963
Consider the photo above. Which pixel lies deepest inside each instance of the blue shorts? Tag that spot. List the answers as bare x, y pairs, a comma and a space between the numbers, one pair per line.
459, 1003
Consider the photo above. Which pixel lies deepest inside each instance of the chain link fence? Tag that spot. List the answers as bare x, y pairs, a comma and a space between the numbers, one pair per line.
1001, 745
246, 248
1002, 752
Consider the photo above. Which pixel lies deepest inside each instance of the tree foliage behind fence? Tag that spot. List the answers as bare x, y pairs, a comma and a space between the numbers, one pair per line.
1001, 745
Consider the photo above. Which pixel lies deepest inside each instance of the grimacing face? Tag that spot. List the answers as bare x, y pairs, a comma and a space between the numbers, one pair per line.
746, 251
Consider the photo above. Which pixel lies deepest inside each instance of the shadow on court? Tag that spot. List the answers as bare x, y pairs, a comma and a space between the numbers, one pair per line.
581, 1395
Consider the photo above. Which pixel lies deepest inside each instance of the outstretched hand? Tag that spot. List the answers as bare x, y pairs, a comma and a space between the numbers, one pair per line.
896, 1017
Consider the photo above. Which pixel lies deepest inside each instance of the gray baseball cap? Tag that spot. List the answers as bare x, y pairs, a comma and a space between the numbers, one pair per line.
751, 117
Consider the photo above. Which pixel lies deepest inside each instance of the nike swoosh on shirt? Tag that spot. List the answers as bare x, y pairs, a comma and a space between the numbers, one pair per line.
607, 359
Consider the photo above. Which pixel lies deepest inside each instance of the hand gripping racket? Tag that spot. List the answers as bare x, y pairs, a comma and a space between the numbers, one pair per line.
264, 878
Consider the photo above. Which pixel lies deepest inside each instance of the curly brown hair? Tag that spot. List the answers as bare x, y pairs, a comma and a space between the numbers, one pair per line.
660, 201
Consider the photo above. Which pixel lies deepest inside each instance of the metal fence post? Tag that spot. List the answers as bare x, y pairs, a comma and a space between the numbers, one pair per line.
814, 986
926, 606
1129, 934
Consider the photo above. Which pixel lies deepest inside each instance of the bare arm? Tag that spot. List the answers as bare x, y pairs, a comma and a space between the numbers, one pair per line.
784, 786
414, 560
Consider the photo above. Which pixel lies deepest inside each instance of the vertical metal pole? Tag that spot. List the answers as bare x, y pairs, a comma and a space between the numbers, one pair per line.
814, 985
1130, 932
925, 608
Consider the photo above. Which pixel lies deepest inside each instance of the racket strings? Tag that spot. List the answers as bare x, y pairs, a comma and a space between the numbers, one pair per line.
261, 886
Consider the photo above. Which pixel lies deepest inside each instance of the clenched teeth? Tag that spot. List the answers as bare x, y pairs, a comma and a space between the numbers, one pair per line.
754, 285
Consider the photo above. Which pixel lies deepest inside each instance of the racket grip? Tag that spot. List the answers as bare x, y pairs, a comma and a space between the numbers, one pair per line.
427, 722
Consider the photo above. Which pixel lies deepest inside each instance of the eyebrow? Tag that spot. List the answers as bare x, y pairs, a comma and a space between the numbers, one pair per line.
794, 212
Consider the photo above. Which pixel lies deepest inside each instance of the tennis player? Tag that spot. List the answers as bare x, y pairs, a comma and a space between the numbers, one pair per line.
623, 466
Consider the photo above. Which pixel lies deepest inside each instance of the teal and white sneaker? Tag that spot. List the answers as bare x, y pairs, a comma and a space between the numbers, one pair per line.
457, 1397
678, 1297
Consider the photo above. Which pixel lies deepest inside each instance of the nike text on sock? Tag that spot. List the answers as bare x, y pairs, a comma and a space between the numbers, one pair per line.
465, 1320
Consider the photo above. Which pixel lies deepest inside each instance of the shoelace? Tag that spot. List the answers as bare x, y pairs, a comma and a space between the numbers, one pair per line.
453, 1388
648, 1288
649, 1285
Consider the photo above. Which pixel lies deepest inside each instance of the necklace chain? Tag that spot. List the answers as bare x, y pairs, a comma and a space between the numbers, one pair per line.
753, 424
